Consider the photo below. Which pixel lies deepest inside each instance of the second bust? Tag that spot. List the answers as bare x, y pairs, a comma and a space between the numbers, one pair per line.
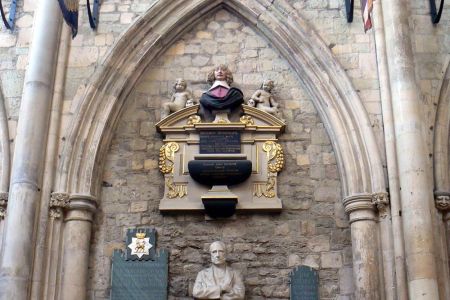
220, 96
219, 281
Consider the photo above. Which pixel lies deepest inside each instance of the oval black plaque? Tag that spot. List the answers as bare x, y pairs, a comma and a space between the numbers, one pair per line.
220, 172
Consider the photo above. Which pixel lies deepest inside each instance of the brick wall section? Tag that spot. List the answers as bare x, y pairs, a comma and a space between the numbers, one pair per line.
312, 229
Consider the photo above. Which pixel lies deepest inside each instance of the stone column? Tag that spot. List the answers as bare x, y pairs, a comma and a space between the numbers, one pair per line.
27, 168
381, 202
364, 232
416, 192
59, 202
76, 243
401, 290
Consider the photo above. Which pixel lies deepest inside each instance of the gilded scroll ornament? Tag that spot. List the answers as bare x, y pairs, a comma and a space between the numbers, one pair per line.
194, 119
175, 190
266, 189
167, 157
275, 156
247, 120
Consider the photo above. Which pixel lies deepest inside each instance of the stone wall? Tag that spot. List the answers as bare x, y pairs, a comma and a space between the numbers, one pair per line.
312, 229
431, 47
353, 49
14, 48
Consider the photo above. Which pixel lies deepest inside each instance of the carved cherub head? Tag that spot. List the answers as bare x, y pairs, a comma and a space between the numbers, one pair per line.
222, 73
267, 85
179, 85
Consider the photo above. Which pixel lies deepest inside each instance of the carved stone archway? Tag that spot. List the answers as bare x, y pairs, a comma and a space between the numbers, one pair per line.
442, 177
99, 108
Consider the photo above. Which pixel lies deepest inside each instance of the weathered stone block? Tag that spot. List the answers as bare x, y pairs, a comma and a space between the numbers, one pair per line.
319, 243
331, 260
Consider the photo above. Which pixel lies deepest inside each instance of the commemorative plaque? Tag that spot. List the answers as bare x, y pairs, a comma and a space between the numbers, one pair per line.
304, 283
220, 141
142, 271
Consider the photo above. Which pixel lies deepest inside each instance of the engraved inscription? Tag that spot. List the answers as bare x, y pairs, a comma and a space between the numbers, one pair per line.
220, 142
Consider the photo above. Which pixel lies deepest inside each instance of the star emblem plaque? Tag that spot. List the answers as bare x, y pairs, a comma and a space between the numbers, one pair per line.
140, 245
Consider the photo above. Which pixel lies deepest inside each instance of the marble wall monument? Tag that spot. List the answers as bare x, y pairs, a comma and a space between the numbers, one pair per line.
221, 156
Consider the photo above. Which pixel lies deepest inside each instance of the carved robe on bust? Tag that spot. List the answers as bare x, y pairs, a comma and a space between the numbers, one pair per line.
220, 95
219, 281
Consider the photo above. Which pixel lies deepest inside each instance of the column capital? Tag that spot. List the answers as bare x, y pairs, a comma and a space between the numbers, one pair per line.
3, 204
81, 208
381, 201
82, 202
58, 202
359, 207
442, 200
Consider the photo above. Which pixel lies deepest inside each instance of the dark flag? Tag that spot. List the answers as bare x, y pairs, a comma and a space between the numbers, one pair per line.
366, 10
69, 10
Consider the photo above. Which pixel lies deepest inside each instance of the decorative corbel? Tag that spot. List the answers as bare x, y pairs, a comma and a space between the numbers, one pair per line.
58, 202
3, 204
381, 201
442, 200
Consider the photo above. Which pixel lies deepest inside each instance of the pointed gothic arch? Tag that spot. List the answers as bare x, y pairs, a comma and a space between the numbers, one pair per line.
98, 110
441, 135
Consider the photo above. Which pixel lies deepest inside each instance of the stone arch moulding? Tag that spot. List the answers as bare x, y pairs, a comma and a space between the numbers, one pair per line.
336, 101
441, 135
4, 146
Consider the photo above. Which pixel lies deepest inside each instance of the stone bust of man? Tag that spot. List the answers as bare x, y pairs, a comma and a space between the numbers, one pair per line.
220, 96
218, 281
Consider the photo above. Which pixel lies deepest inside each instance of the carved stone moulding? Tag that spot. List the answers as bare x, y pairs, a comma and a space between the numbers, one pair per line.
3, 204
58, 202
257, 132
360, 207
381, 201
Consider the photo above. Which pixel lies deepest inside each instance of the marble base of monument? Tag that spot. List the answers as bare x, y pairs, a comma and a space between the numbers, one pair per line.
220, 202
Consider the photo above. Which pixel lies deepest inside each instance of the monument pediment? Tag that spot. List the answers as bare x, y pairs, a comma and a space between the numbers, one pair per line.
253, 120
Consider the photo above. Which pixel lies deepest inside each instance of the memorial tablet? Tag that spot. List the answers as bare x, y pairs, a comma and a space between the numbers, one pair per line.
141, 272
304, 283
139, 279
220, 141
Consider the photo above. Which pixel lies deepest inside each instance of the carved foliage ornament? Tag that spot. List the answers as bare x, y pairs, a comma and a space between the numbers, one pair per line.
275, 156
175, 190
275, 162
167, 157
380, 200
266, 189
166, 163
3, 204
58, 201
194, 119
247, 120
